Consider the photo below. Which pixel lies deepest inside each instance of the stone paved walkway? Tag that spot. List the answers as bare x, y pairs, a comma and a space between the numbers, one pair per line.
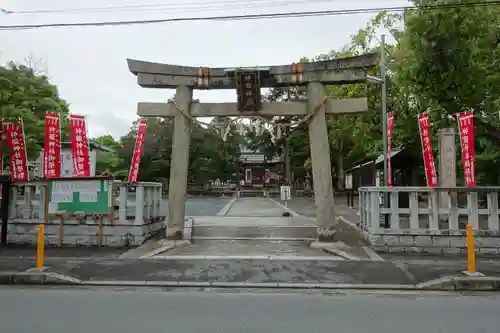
255, 207
247, 248
305, 207
202, 206
243, 230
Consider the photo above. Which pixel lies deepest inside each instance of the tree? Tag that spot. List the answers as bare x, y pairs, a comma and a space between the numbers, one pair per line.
38, 65
352, 138
448, 61
293, 145
109, 162
210, 156
155, 162
223, 154
27, 96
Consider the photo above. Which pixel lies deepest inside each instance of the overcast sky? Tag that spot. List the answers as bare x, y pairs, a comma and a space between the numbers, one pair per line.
88, 64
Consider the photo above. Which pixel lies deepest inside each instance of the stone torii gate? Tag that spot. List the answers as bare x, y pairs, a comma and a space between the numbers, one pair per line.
247, 82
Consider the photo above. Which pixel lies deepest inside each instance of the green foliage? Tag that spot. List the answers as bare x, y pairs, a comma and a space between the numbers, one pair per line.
109, 162
448, 61
210, 156
27, 96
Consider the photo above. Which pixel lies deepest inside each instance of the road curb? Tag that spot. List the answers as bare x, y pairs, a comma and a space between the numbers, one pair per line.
37, 278
451, 283
168, 245
253, 285
227, 207
462, 283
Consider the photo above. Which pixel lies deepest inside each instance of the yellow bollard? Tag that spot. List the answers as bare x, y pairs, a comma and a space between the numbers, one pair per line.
471, 253
40, 246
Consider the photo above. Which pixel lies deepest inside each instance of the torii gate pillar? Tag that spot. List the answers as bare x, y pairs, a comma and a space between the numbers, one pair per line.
179, 165
321, 165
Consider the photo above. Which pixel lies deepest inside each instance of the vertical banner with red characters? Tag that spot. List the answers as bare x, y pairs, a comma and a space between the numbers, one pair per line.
79, 145
466, 128
390, 127
424, 125
52, 146
133, 174
14, 136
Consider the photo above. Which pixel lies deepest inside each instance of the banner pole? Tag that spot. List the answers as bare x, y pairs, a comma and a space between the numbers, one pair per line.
25, 150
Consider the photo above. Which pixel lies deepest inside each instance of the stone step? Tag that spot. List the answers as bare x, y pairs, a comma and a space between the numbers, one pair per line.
252, 249
260, 232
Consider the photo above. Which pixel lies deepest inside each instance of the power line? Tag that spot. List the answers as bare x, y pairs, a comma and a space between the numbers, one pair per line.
155, 7
221, 5
254, 16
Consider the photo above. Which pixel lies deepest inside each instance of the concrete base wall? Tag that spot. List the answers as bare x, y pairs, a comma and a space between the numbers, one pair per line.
84, 232
439, 243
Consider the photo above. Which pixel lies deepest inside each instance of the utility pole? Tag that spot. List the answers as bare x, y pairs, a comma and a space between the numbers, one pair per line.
384, 109
383, 75
383, 119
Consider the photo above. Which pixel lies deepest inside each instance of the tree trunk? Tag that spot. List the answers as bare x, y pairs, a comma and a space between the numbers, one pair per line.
339, 168
414, 177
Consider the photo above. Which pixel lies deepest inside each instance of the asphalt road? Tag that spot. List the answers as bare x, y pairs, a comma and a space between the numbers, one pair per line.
122, 311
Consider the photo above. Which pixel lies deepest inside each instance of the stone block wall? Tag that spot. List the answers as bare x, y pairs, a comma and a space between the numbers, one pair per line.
487, 242
85, 233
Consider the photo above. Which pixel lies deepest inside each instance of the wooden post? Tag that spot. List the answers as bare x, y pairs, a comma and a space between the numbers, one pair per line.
471, 252
40, 244
99, 219
60, 240
321, 165
179, 165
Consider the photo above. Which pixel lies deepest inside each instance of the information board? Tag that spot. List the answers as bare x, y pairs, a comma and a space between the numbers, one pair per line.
89, 195
348, 181
285, 193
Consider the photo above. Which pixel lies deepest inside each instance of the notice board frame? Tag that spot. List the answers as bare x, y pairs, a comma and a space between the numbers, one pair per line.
48, 188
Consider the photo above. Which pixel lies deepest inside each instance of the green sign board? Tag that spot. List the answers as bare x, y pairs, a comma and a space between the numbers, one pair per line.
89, 195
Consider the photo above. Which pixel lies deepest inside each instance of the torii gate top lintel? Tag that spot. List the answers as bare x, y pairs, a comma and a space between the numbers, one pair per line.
335, 71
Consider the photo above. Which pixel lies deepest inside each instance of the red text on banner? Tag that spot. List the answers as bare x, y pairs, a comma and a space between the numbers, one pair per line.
52, 146
425, 138
466, 128
14, 137
133, 174
79, 145
390, 127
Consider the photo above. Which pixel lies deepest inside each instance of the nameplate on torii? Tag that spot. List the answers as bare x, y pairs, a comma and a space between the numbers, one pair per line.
248, 91
298, 108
